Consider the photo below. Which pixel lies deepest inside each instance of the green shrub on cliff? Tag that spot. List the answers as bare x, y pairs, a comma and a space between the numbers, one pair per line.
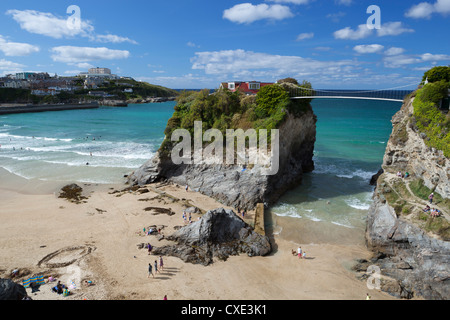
224, 110
430, 120
437, 74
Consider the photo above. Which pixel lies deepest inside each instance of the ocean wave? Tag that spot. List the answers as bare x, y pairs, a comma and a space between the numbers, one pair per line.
286, 210
342, 225
358, 204
342, 172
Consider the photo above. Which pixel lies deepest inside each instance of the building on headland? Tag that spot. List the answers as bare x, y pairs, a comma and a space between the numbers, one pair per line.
99, 71
247, 87
32, 76
102, 73
15, 84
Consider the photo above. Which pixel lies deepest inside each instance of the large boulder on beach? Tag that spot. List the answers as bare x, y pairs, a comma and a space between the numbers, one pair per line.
9, 290
219, 233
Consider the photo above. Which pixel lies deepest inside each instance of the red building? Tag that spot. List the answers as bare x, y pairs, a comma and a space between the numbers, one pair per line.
247, 87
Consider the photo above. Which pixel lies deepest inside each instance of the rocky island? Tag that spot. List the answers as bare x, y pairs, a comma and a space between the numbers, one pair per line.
239, 186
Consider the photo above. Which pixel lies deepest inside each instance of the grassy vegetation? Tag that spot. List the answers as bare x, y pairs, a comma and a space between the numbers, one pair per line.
429, 119
224, 110
421, 191
399, 198
141, 90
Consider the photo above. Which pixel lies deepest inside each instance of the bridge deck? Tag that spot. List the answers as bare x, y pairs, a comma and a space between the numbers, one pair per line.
345, 97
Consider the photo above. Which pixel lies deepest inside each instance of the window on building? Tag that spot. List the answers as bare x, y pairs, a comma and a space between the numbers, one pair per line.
231, 86
254, 86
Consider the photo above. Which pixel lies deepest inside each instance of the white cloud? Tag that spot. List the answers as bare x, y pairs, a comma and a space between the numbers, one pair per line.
304, 36
435, 57
5, 64
49, 25
192, 45
13, 49
291, 1
344, 2
241, 64
248, 13
82, 65
9, 67
387, 29
394, 51
368, 48
350, 34
392, 29
426, 9
113, 39
70, 54
401, 60
323, 48
336, 17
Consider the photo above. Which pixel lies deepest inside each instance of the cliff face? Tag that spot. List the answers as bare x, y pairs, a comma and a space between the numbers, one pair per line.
234, 187
414, 261
407, 151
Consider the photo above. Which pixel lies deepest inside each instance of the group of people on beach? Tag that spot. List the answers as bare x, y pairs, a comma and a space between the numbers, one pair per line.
150, 231
150, 268
63, 289
186, 217
242, 213
299, 253
432, 211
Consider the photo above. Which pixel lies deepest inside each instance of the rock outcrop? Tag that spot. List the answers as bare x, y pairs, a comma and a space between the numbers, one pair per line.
233, 186
219, 233
413, 262
9, 290
418, 264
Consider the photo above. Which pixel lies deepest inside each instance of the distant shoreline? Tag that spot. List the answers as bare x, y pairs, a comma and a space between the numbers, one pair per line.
42, 108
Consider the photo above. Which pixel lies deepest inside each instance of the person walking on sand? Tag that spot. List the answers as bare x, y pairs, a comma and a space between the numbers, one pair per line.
156, 267
430, 197
186, 188
150, 271
161, 263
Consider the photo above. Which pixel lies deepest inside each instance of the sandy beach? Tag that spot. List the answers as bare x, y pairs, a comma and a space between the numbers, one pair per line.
97, 240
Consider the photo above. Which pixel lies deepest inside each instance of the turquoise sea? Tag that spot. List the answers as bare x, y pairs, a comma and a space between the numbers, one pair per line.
351, 140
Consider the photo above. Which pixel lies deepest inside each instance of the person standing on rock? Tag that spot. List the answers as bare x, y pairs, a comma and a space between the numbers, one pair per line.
430, 197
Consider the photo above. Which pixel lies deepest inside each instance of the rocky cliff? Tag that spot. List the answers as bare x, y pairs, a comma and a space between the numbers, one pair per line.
233, 186
412, 247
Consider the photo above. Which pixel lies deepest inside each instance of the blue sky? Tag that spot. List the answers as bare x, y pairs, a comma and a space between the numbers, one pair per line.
198, 44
